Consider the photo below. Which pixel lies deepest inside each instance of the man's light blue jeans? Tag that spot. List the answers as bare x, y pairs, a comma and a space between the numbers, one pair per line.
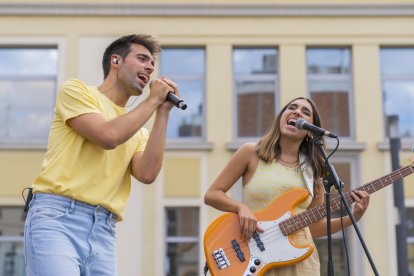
65, 237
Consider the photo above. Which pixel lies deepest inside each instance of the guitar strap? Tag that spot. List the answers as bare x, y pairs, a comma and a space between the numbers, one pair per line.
307, 173
206, 269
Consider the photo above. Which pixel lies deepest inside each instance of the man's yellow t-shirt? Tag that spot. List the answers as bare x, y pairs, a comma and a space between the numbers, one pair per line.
79, 169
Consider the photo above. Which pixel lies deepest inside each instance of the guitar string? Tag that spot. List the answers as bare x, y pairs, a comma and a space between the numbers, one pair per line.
268, 236
268, 239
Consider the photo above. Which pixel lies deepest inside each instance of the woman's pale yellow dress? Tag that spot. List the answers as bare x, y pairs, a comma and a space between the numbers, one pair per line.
269, 182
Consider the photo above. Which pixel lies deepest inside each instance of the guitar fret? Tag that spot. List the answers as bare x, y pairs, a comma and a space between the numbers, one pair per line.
314, 214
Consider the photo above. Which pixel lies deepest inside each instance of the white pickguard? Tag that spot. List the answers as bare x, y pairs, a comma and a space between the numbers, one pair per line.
277, 248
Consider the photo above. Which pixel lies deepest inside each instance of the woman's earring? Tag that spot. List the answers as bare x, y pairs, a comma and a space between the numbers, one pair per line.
309, 138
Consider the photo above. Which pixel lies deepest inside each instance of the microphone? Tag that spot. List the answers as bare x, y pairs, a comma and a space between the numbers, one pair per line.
302, 124
174, 99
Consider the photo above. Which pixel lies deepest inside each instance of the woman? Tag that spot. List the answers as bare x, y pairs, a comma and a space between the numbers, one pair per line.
274, 166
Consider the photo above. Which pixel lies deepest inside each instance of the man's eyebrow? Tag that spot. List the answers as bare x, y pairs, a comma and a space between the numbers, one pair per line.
147, 57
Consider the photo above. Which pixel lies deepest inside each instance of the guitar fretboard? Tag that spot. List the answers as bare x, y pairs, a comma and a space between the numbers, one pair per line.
316, 213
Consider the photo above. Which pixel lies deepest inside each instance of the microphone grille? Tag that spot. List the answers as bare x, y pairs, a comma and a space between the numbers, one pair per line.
300, 123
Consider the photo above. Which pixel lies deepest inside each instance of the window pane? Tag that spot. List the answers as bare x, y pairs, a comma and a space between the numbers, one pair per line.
185, 62
329, 61
26, 109
398, 99
182, 259
397, 61
182, 221
187, 123
31, 62
12, 259
255, 78
186, 67
182, 236
338, 256
332, 102
329, 82
397, 69
410, 238
27, 94
254, 61
11, 243
343, 170
255, 103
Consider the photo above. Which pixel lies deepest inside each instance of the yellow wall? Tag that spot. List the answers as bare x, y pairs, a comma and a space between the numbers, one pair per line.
291, 35
181, 177
220, 1
17, 171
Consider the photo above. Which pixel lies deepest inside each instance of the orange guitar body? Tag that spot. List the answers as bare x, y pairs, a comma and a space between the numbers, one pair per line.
227, 253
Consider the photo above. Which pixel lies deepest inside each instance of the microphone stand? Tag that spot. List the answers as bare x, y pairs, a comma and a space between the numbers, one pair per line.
333, 179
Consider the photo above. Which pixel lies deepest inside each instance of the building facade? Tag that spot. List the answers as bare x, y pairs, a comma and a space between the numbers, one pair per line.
237, 63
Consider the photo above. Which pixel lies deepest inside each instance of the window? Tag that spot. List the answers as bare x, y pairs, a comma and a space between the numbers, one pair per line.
182, 235
11, 241
27, 94
343, 170
330, 85
410, 238
186, 67
256, 90
397, 71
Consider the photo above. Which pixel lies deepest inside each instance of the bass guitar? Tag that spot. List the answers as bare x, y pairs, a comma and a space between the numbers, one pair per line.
227, 253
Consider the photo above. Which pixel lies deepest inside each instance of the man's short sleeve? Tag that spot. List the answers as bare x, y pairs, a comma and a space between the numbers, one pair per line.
74, 99
142, 139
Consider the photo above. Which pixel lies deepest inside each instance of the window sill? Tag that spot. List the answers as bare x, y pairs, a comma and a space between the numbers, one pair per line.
344, 145
406, 144
189, 146
27, 146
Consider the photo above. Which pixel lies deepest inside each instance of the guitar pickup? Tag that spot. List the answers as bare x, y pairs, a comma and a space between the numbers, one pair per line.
239, 252
259, 242
221, 258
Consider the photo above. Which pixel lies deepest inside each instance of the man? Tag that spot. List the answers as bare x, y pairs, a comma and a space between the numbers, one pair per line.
94, 147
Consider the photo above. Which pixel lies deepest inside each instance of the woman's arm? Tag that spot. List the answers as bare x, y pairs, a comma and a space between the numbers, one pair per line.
216, 194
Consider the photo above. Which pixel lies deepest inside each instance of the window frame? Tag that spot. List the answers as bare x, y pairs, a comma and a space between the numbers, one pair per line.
176, 142
58, 43
405, 141
312, 78
265, 77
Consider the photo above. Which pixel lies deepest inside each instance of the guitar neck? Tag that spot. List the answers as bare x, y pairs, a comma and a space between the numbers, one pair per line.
316, 213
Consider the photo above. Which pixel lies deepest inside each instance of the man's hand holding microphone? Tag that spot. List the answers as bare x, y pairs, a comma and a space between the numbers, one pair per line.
167, 91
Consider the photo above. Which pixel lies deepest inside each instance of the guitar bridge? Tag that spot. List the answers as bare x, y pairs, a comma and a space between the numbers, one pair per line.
221, 258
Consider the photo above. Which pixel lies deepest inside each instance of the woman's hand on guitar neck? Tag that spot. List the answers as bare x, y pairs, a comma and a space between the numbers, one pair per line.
361, 203
248, 222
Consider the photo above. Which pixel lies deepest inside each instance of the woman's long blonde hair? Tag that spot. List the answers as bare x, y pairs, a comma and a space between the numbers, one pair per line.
268, 148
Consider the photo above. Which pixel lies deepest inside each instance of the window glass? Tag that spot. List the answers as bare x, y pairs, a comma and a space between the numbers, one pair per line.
11, 241
410, 238
186, 67
343, 170
330, 86
27, 94
182, 241
397, 68
329, 61
397, 61
255, 84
